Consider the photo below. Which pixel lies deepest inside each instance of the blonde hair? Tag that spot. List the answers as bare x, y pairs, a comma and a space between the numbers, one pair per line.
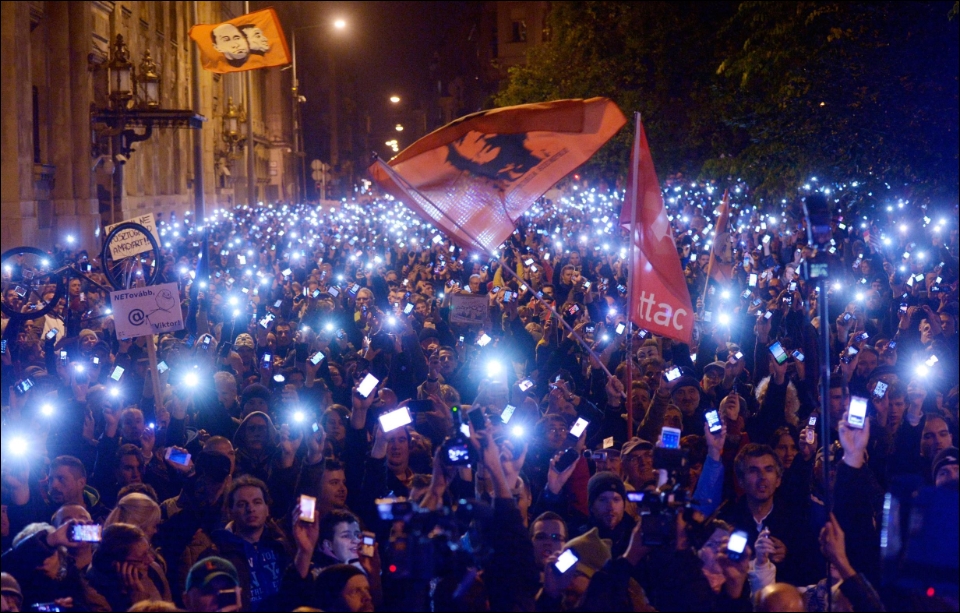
137, 509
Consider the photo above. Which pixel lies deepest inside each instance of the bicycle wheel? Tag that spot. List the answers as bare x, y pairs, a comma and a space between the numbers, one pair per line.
28, 272
130, 253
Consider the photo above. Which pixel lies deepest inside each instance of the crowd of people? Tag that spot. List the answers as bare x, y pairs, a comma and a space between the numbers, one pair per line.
338, 427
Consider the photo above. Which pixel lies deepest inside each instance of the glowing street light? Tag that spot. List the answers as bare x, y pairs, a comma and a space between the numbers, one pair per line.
399, 128
395, 99
340, 24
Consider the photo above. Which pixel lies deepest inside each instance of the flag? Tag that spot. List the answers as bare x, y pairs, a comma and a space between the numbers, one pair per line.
720, 267
248, 42
476, 176
659, 299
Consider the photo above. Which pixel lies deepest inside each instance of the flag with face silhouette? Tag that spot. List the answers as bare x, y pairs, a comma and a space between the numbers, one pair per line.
248, 42
475, 177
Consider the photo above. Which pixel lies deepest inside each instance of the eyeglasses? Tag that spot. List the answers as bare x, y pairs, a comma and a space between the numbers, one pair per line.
544, 536
558, 430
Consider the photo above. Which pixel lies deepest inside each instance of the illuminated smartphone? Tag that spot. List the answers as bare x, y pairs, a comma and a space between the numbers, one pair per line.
162, 367
507, 413
880, 389
86, 533
525, 385
578, 427
317, 358
394, 419
367, 385
857, 415
713, 421
408, 309
670, 437
484, 340
177, 457
673, 374
566, 561
778, 353
308, 509
753, 280
737, 545
620, 328
367, 547
798, 355
117, 373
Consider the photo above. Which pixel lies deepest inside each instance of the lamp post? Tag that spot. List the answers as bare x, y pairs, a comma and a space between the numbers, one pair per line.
149, 82
233, 118
120, 74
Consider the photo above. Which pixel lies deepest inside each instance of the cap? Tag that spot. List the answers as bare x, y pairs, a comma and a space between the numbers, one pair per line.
208, 569
945, 457
428, 333
718, 365
9, 586
634, 444
604, 481
244, 340
592, 551
686, 381
254, 390
88, 332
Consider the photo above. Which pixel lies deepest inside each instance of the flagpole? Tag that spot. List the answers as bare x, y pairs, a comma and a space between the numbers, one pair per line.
397, 177
634, 187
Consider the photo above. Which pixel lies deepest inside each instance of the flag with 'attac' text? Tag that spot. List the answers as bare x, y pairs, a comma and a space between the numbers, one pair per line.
475, 177
247, 42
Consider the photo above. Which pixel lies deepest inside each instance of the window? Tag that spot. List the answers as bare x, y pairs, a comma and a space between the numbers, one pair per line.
520, 31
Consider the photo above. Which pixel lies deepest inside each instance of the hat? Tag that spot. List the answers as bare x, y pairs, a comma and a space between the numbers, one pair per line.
686, 381
592, 551
428, 333
243, 340
208, 569
10, 587
330, 582
945, 457
634, 444
254, 390
604, 481
718, 365
88, 332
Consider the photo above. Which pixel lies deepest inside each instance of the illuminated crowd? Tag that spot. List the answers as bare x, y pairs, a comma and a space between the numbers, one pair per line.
361, 415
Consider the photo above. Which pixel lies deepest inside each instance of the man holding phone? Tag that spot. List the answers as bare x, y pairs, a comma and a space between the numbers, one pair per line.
213, 584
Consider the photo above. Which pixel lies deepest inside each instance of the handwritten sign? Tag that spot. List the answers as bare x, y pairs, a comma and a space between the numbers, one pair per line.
469, 309
140, 311
132, 242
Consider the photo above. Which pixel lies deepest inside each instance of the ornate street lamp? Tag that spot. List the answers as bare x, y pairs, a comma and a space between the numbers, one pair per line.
233, 118
149, 82
120, 75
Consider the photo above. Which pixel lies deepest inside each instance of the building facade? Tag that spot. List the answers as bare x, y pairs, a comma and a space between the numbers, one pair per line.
61, 172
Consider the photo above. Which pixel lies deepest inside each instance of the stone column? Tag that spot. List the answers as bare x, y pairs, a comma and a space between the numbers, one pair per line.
81, 95
61, 121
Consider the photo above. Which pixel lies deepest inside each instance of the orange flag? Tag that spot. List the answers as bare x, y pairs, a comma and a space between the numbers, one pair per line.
659, 299
476, 176
721, 253
247, 42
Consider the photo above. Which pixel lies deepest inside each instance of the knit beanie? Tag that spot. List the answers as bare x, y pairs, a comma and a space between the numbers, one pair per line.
592, 551
604, 481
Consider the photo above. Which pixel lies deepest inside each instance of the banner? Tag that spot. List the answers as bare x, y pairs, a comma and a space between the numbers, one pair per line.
475, 177
153, 309
132, 242
659, 299
248, 42
469, 309
721, 263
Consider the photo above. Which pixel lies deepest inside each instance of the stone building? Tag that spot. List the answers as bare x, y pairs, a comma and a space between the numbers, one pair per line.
61, 172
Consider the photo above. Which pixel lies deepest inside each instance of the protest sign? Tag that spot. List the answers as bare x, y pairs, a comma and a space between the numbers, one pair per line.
131, 242
147, 310
469, 309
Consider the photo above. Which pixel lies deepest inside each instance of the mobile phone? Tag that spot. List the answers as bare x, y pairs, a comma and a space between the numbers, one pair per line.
96, 361
117, 373
317, 358
286, 272
44, 607
755, 302
768, 315
308, 508
880, 389
798, 355
753, 280
736, 357
205, 345
52, 334
567, 458
573, 309
333, 291
394, 419
713, 421
892, 345
848, 357
587, 285
746, 294
484, 340
162, 367
266, 321
23, 386
477, 420
670, 437
566, 561
177, 457
277, 304
227, 598
857, 415
267, 360
634, 497
737, 545
3, 346
367, 385
673, 374
622, 289
578, 427
63, 357
315, 294
847, 317
620, 328
861, 337
507, 413
420, 406
793, 286
85, 533
778, 353
367, 547
525, 385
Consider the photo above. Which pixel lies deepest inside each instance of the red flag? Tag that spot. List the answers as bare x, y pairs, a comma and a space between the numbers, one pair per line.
247, 42
659, 299
721, 253
476, 176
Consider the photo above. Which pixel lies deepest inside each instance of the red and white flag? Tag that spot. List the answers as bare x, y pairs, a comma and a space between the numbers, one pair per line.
474, 177
659, 299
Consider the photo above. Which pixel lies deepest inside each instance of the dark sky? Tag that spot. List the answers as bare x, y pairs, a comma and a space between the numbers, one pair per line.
386, 48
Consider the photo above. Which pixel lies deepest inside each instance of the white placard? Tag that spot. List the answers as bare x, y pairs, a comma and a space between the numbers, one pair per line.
131, 242
469, 309
140, 311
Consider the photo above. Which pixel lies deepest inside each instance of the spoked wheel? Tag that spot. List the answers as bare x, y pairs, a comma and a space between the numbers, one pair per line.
131, 256
28, 272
